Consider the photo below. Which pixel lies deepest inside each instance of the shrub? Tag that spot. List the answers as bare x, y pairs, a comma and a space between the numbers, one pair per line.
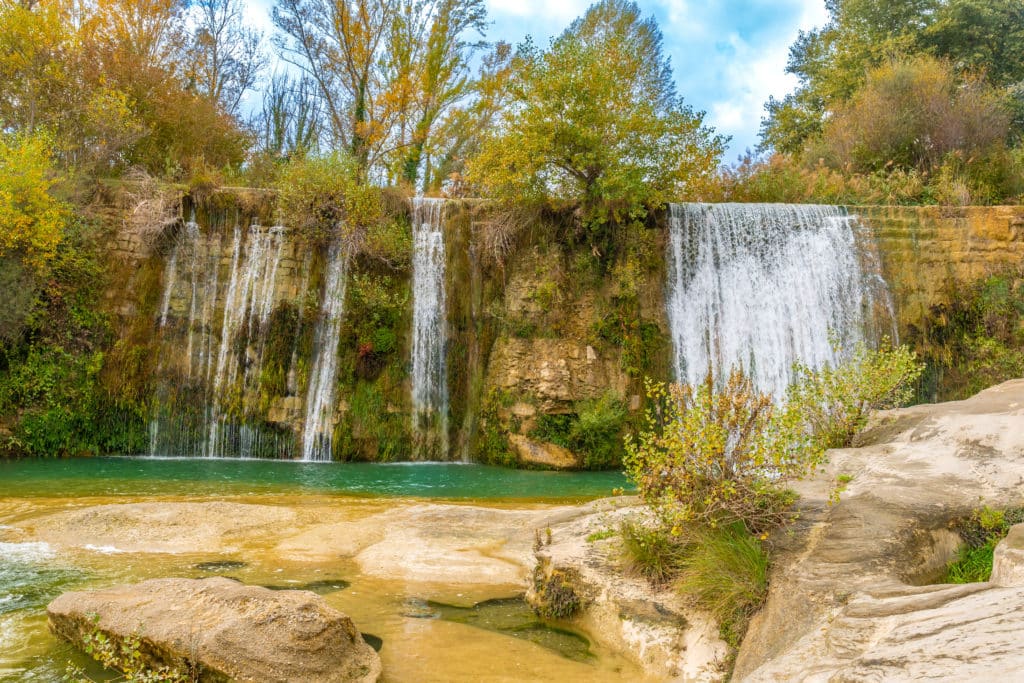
718, 455
834, 402
726, 573
981, 532
126, 657
321, 199
652, 551
557, 591
594, 432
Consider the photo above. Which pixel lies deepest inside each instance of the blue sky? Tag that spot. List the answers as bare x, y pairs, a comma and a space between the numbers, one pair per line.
728, 55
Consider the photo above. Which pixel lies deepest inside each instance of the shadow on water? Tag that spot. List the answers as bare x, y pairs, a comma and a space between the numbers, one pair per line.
508, 616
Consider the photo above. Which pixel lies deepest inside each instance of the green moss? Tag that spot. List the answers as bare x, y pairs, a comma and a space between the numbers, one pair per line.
973, 342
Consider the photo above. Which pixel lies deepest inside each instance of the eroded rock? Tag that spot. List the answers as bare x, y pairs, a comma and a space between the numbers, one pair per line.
843, 604
1008, 561
232, 631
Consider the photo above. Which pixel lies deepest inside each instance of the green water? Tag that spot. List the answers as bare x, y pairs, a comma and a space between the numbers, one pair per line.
82, 477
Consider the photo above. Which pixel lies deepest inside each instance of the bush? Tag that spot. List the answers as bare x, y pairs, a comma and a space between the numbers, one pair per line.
835, 402
557, 591
594, 432
715, 456
321, 199
652, 551
726, 573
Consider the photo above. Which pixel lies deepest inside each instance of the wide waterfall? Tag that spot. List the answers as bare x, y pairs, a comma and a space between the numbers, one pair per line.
761, 286
321, 394
429, 368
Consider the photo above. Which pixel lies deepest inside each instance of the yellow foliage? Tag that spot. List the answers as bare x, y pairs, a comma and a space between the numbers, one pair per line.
32, 220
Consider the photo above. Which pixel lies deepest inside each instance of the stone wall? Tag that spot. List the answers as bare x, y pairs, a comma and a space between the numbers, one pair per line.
926, 249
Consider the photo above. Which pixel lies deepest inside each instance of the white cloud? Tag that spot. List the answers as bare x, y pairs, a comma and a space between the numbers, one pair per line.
560, 11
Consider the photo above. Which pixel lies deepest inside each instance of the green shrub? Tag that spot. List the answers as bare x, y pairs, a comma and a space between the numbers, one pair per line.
981, 532
652, 551
557, 594
726, 573
835, 401
713, 455
594, 432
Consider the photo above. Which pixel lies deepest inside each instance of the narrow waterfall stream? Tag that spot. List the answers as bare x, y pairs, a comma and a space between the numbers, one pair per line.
761, 286
321, 394
429, 367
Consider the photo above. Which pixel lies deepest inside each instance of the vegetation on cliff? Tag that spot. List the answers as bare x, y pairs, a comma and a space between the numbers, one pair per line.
714, 463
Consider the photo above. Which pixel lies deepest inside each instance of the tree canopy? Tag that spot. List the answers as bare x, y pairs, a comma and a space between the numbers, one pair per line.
595, 122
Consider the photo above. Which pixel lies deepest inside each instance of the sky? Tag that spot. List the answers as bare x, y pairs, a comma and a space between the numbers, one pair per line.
728, 55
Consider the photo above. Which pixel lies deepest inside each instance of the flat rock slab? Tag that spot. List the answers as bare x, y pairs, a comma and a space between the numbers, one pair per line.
232, 631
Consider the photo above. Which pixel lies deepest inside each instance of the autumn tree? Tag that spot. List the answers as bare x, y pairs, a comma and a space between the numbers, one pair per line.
226, 56
980, 38
595, 123
386, 71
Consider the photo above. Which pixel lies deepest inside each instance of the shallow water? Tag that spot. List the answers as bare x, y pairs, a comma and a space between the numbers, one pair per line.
114, 476
461, 632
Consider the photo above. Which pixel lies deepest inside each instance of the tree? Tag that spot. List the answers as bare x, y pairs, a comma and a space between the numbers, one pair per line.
980, 38
595, 123
910, 114
226, 55
32, 220
387, 71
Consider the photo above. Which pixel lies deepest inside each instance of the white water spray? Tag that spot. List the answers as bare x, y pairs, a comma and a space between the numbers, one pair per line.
429, 322
761, 286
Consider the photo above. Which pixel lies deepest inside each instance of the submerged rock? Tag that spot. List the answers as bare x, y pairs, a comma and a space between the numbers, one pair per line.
230, 630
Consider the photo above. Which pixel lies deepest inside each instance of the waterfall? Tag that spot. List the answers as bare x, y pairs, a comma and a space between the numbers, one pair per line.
761, 286
202, 405
429, 370
320, 395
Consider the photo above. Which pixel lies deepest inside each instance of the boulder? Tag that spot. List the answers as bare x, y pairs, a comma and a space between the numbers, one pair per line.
542, 454
1008, 561
228, 630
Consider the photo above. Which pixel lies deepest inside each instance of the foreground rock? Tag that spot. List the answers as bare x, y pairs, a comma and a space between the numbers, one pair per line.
667, 639
230, 630
852, 596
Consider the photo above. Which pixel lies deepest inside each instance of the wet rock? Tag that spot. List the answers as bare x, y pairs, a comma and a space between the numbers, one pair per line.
230, 630
542, 454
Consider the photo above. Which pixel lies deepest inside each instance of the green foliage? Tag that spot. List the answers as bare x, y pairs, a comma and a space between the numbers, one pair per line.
981, 532
977, 36
713, 456
557, 591
321, 198
125, 656
589, 123
594, 432
834, 402
974, 341
652, 551
911, 113
726, 573
492, 447
602, 535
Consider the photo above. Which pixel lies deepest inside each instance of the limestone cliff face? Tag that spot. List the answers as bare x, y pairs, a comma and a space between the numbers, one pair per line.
534, 338
925, 249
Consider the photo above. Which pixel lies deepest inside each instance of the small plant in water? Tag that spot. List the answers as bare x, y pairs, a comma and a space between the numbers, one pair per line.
126, 657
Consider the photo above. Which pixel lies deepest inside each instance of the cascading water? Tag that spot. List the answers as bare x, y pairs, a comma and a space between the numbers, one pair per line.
429, 323
321, 393
191, 417
761, 286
